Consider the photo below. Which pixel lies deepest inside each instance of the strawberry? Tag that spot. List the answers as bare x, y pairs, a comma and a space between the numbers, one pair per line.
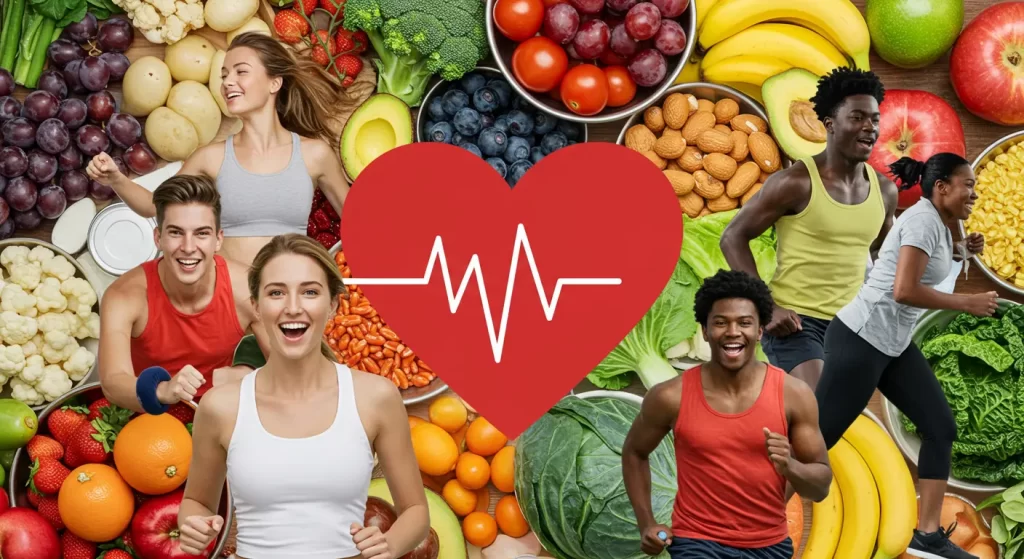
318, 198
92, 442
351, 42
96, 408
327, 239
115, 554
347, 67
48, 508
333, 6
41, 445
75, 547
62, 422
182, 412
290, 26
47, 474
307, 6
33, 496
320, 220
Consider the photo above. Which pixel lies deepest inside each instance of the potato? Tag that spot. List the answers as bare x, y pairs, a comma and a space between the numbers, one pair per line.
255, 24
145, 86
215, 81
172, 136
228, 15
190, 59
194, 101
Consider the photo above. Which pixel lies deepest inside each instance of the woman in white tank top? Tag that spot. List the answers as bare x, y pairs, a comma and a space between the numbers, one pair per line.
296, 438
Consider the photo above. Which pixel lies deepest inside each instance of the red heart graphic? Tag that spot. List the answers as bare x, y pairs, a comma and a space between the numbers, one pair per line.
589, 211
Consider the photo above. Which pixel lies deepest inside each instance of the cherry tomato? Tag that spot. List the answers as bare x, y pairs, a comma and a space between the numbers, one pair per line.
585, 90
621, 87
539, 64
518, 19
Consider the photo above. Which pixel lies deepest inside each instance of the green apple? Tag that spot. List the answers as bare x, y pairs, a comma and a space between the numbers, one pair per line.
914, 33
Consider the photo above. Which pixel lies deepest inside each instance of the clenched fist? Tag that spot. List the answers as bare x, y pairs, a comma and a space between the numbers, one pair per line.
370, 542
181, 388
198, 532
103, 170
778, 450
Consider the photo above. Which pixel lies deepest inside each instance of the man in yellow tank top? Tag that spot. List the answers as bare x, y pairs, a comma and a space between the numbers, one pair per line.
830, 211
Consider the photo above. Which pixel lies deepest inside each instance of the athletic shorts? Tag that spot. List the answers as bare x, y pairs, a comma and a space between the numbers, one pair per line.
686, 548
792, 350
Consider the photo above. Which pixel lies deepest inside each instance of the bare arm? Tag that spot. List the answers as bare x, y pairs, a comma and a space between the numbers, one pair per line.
117, 376
890, 196
908, 289
809, 471
209, 457
657, 415
331, 178
140, 199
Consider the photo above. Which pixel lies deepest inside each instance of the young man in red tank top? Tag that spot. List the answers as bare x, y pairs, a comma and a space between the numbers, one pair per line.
741, 428
185, 311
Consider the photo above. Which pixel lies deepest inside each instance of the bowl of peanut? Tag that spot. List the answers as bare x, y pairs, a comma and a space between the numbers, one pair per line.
712, 142
999, 212
362, 340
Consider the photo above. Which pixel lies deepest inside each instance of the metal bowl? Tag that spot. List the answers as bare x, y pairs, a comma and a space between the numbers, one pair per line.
422, 115
413, 394
17, 478
998, 147
92, 344
909, 443
502, 49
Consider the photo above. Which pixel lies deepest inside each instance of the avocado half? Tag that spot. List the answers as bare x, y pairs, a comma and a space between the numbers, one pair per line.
443, 522
787, 100
383, 122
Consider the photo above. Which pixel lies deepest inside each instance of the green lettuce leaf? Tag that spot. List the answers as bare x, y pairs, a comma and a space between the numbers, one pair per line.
701, 237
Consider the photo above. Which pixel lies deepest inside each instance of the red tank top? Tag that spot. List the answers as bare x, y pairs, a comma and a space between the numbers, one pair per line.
729, 492
172, 339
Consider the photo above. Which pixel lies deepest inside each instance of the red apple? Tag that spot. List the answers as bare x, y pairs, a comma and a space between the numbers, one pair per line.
26, 534
915, 124
5, 503
155, 529
986, 64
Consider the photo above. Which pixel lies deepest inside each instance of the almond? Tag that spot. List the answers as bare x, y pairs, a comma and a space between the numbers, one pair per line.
670, 146
707, 186
722, 204
698, 123
726, 110
750, 193
706, 105
658, 160
682, 182
691, 160
714, 141
639, 138
676, 109
764, 152
741, 181
723, 128
691, 102
704, 212
672, 132
691, 204
673, 166
739, 145
720, 166
749, 123
654, 119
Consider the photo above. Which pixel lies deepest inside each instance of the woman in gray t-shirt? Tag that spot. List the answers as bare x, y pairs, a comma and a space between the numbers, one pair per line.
868, 344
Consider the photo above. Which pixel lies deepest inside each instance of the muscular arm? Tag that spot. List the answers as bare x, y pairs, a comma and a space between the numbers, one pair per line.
140, 199
908, 289
657, 415
331, 178
809, 471
118, 312
890, 196
209, 458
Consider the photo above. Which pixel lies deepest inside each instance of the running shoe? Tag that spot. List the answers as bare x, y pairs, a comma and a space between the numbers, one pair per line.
936, 545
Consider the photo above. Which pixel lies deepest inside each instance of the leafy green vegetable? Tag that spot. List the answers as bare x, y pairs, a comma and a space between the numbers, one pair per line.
701, 237
1007, 527
569, 480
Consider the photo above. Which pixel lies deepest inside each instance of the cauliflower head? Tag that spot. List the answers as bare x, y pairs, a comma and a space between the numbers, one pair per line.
81, 297
33, 346
14, 256
33, 369
27, 275
87, 327
48, 296
12, 361
59, 267
25, 392
17, 329
80, 363
14, 298
58, 347
54, 384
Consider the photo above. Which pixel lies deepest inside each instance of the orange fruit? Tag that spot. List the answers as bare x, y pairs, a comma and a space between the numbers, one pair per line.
483, 439
153, 453
510, 518
472, 471
414, 421
95, 503
448, 413
479, 528
503, 472
461, 500
435, 449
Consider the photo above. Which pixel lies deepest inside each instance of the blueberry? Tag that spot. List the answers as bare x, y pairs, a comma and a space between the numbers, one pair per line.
517, 170
453, 100
570, 129
457, 138
519, 123
553, 141
486, 121
441, 132
472, 148
498, 165
472, 82
536, 154
492, 141
467, 121
522, 104
485, 100
436, 108
503, 90
543, 123
501, 123
428, 125
518, 148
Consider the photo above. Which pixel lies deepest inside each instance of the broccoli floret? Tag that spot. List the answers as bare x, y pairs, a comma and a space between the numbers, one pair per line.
415, 39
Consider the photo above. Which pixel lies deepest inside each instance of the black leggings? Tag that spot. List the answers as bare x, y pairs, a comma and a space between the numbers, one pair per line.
854, 368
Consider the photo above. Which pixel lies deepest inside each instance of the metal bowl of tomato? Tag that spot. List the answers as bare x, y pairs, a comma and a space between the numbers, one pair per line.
538, 47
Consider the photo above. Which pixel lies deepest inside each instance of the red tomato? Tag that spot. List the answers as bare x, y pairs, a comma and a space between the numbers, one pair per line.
621, 87
518, 19
585, 90
539, 64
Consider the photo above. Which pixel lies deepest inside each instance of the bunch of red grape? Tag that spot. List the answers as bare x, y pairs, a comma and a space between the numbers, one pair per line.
47, 140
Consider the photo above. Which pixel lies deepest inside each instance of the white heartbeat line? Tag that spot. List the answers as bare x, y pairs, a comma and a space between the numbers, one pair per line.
522, 243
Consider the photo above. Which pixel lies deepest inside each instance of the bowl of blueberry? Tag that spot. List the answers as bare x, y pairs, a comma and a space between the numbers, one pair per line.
483, 113
591, 60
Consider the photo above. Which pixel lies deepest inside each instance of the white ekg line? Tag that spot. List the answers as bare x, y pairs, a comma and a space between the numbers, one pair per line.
522, 243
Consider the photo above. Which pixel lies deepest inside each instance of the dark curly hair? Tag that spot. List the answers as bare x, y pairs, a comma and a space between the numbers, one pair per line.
841, 83
730, 284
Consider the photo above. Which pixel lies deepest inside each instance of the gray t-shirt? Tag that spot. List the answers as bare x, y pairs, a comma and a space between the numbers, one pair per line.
874, 314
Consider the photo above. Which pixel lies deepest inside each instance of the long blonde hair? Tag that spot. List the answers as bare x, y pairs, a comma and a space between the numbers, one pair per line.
308, 95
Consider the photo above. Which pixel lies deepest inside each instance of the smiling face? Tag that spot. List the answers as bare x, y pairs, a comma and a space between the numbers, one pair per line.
957, 196
247, 86
294, 304
188, 239
855, 127
732, 331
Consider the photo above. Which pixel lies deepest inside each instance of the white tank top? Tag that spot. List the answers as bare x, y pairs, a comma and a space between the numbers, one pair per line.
299, 497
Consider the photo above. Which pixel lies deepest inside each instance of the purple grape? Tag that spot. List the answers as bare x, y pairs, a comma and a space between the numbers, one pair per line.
592, 7
42, 166
102, 106
13, 161
91, 140
63, 51
118, 64
75, 185
671, 8
140, 159
620, 6
115, 35
643, 21
592, 39
100, 192
621, 43
70, 159
9, 108
21, 193
73, 112
123, 129
94, 74
671, 39
40, 105
52, 136
560, 23
6, 83
53, 81
29, 219
19, 132
71, 76
82, 31
5, 212
52, 201
648, 68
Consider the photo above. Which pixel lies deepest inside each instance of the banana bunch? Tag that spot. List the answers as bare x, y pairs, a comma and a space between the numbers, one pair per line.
871, 510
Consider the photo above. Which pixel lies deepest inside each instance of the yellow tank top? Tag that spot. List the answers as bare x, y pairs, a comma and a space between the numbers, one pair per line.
822, 251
